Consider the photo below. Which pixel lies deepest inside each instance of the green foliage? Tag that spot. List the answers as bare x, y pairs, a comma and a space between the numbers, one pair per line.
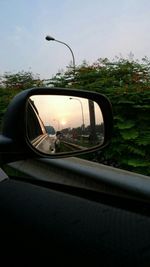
21, 80
129, 134
125, 125
127, 84
12, 84
5, 97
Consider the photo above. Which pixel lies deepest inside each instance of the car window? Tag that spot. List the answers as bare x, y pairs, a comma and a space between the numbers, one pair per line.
35, 126
107, 53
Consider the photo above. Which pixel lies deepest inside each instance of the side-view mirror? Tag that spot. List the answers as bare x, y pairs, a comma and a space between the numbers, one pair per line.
55, 122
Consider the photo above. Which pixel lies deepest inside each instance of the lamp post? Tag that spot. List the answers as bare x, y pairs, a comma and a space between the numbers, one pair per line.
81, 110
93, 136
50, 38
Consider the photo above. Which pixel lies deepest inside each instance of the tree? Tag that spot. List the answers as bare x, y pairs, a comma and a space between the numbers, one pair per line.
21, 80
126, 82
11, 84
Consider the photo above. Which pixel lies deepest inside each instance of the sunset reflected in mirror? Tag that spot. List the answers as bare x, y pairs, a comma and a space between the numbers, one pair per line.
65, 123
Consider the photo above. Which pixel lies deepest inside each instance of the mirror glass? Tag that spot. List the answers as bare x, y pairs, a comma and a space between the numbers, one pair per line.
62, 124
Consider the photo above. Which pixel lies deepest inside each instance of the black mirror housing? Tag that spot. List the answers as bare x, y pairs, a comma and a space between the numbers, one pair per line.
14, 141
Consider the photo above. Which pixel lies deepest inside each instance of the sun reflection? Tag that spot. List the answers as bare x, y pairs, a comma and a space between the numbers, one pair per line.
63, 122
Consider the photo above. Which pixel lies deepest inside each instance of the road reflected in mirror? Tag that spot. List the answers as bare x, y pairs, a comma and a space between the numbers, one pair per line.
62, 124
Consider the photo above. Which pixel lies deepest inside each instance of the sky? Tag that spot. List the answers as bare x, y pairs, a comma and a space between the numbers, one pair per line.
65, 111
93, 29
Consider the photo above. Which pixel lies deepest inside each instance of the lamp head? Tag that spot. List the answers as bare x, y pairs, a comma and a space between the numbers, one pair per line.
49, 38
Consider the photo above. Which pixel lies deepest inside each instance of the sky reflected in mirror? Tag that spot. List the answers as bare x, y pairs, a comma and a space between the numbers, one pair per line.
65, 111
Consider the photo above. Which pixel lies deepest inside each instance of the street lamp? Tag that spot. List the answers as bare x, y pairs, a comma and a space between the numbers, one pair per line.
81, 109
50, 38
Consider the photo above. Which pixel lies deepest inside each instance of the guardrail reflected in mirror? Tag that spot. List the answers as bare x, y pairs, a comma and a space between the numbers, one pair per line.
62, 124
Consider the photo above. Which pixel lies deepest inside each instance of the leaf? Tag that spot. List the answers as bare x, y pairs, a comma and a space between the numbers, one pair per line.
136, 151
142, 106
125, 102
143, 140
126, 125
119, 118
136, 163
130, 134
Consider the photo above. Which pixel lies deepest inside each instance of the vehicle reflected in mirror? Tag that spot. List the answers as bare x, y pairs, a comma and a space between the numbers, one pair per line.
60, 124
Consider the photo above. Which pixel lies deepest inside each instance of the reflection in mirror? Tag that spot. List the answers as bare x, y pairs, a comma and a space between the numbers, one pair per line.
62, 124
